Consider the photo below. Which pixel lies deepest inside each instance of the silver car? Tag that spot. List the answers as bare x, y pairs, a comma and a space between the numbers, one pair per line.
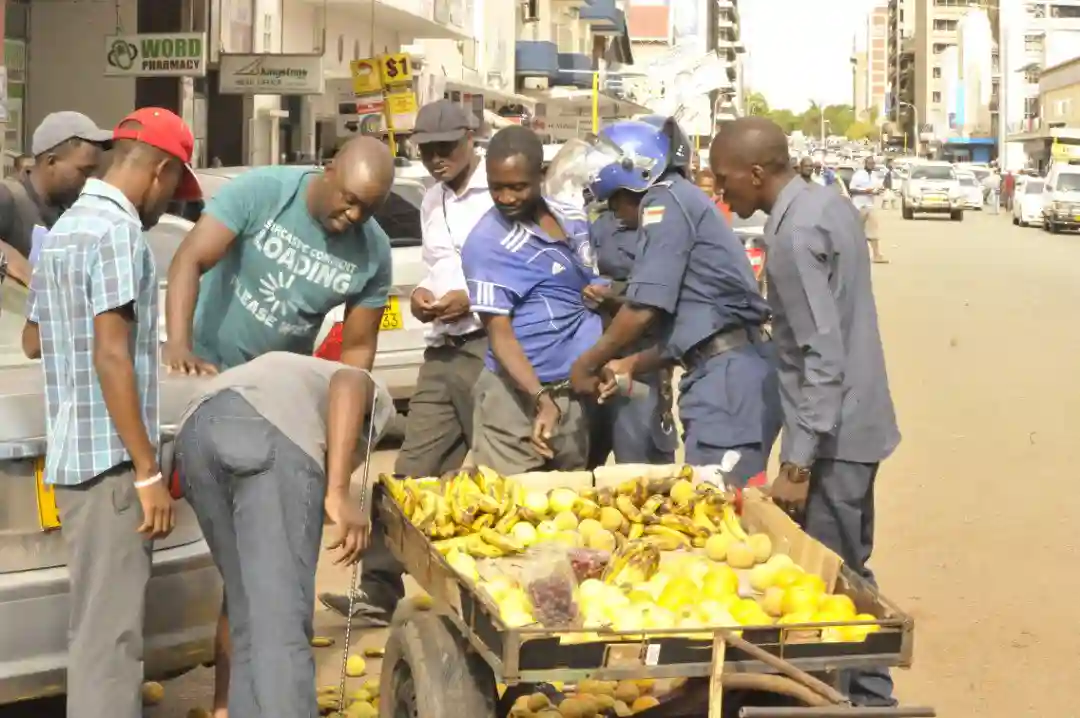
401, 342
184, 594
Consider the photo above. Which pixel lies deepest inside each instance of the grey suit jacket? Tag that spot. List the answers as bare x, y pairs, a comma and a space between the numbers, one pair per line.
834, 388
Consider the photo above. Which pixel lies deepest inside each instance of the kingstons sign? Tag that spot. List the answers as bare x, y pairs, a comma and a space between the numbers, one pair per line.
180, 54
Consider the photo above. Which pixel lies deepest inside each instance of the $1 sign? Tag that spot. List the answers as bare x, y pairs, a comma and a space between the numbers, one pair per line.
396, 69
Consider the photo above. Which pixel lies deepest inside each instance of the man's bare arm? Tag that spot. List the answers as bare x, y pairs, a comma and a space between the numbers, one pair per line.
200, 251
360, 336
18, 266
509, 354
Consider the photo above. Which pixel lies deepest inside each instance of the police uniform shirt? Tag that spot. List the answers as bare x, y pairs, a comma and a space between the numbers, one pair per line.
691, 265
613, 246
833, 384
515, 269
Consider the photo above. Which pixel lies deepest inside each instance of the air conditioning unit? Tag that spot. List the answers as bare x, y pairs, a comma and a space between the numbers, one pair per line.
530, 10
534, 83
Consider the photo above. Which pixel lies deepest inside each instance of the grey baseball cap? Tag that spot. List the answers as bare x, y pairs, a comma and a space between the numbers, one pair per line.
442, 121
58, 127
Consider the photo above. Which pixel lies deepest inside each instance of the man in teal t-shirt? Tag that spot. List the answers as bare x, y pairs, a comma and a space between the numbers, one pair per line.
275, 250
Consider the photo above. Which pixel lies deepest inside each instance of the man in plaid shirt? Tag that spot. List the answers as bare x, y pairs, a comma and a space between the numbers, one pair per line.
93, 318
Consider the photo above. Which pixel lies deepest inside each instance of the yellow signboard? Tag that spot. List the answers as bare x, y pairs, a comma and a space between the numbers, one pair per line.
397, 69
366, 76
401, 108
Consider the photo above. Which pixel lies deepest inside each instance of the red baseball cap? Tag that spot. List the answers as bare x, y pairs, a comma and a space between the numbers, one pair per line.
165, 130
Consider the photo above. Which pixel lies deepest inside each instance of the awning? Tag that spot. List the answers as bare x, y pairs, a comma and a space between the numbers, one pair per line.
497, 122
509, 98
573, 97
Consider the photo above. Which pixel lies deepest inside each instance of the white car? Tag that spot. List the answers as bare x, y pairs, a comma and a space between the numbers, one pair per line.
401, 341
970, 190
1027, 206
932, 188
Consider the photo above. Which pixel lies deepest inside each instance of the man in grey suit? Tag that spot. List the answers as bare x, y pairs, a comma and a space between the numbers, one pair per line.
839, 422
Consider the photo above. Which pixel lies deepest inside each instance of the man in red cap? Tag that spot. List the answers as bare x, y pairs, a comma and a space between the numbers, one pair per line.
92, 317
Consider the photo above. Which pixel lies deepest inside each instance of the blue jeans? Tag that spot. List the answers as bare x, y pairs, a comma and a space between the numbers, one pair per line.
259, 501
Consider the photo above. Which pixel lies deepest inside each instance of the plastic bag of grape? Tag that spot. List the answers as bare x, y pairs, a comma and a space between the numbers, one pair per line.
548, 577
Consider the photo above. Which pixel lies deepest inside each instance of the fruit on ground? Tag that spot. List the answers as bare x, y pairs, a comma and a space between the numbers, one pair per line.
321, 642
152, 693
740, 555
716, 548
644, 703
361, 709
761, 545
199, 713
355, 666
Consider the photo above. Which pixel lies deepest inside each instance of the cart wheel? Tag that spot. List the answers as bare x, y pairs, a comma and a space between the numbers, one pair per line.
428, 671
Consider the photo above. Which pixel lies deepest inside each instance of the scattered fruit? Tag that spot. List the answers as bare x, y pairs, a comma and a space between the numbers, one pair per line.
355, 666
152, 693
374, 652
199, 713
321, 642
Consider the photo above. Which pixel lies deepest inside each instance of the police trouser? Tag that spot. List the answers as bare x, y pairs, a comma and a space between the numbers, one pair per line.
840, 514
638, 429
731, 402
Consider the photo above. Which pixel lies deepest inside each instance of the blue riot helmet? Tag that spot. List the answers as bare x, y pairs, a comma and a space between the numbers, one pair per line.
636, 155
681, 155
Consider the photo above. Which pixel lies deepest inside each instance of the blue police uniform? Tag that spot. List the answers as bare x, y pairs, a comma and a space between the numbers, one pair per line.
690, 265
515, 269
639, 430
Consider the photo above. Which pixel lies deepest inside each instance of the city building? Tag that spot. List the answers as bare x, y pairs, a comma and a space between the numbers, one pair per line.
877, 63
901, 71
1056, 134
937, 26
860, 74
689, 58
259, 81
563, 47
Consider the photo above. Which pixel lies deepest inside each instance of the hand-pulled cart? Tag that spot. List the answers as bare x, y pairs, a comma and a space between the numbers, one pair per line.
448, 652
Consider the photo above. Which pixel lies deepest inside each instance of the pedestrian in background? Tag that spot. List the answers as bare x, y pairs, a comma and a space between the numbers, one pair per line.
839, 422
863, 191
22, 165
527, 263
92, 316
992, 188
67, 150
265, 450
438, 429
888, 186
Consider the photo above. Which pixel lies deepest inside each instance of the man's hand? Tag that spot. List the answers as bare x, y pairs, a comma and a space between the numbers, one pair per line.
584, 379
596, 294
157, 507
353, 527
790, 488
182, 360
452, 306
544, 426
609, 383
422, 305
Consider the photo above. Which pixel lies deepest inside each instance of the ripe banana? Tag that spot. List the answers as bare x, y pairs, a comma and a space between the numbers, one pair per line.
636, 531
478, 548
628, 509
636, 562
424, 514
445, 546
733, 525
395, 487
485, 521
682, 524
701, 518
587, 509
507, 522
667, 539
650, 508
504, 543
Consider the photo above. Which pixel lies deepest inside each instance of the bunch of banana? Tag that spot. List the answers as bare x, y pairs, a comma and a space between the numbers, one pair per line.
634, 563
487, 543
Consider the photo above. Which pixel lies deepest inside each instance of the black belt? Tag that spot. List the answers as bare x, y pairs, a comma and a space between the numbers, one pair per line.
459, 340
719, 343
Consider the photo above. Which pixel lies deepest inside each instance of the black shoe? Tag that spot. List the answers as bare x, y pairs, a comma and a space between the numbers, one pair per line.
365, 613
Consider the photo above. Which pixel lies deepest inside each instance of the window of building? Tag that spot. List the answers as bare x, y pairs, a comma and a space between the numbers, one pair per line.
1064, 11
937, 73
944, 25
1031, 76
940, 47
936, 97
340, 49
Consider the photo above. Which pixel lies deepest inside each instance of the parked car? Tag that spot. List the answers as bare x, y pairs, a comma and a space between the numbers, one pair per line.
971, 192
184, 594
401, 344
1061, 198
1027, 206
932, 188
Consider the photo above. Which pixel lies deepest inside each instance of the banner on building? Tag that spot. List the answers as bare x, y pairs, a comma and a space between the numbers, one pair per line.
164, 54
271, 75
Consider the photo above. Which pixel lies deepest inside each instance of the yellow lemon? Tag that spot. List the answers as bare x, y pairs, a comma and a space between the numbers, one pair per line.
640, 596
812, 581
677, 593
839, 604
786, 576
720, 581
742, 608
796, 617
799, 599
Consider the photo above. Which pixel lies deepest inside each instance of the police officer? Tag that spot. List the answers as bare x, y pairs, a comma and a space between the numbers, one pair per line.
638, 426
691, 279
839, 422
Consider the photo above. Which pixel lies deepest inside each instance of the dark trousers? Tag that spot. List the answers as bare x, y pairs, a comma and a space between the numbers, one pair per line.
840, 514
638, 429
438, 434
259, 500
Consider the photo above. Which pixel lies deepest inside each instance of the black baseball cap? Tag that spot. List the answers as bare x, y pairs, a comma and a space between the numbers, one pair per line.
442, 121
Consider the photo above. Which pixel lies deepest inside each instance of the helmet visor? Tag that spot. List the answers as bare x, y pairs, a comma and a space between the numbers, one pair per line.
576, 166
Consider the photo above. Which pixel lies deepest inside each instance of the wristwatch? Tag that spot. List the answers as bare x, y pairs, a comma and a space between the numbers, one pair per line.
796, 474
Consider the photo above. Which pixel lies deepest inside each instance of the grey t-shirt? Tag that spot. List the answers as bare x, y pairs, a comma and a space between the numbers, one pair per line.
292, 392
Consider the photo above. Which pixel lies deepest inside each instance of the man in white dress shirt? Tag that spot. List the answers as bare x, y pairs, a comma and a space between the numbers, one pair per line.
864, 189
438, 429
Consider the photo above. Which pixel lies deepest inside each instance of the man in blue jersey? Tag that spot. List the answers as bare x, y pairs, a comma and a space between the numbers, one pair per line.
527, 263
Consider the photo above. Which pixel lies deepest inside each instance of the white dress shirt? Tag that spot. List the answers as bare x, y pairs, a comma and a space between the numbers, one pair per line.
447, 219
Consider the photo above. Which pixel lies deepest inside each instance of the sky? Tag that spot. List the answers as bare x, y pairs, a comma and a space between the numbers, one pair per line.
800, 50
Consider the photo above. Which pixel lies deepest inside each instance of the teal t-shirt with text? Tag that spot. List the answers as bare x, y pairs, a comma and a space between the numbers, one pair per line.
283, 273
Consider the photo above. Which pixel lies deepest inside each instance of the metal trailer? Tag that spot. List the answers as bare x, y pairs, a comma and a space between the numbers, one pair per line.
448, 651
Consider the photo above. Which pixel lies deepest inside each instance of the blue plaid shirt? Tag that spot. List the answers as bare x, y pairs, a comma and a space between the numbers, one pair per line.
95, 259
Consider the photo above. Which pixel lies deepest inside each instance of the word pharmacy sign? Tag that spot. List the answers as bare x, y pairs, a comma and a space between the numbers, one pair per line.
179, 54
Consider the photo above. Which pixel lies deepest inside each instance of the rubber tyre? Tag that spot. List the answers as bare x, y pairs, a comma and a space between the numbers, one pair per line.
1017, 222
429, 671
957, 216
1054, 229
906, 213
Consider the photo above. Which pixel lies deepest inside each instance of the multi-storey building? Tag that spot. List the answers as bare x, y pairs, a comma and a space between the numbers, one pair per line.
877, 62
859, 73
901, 68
